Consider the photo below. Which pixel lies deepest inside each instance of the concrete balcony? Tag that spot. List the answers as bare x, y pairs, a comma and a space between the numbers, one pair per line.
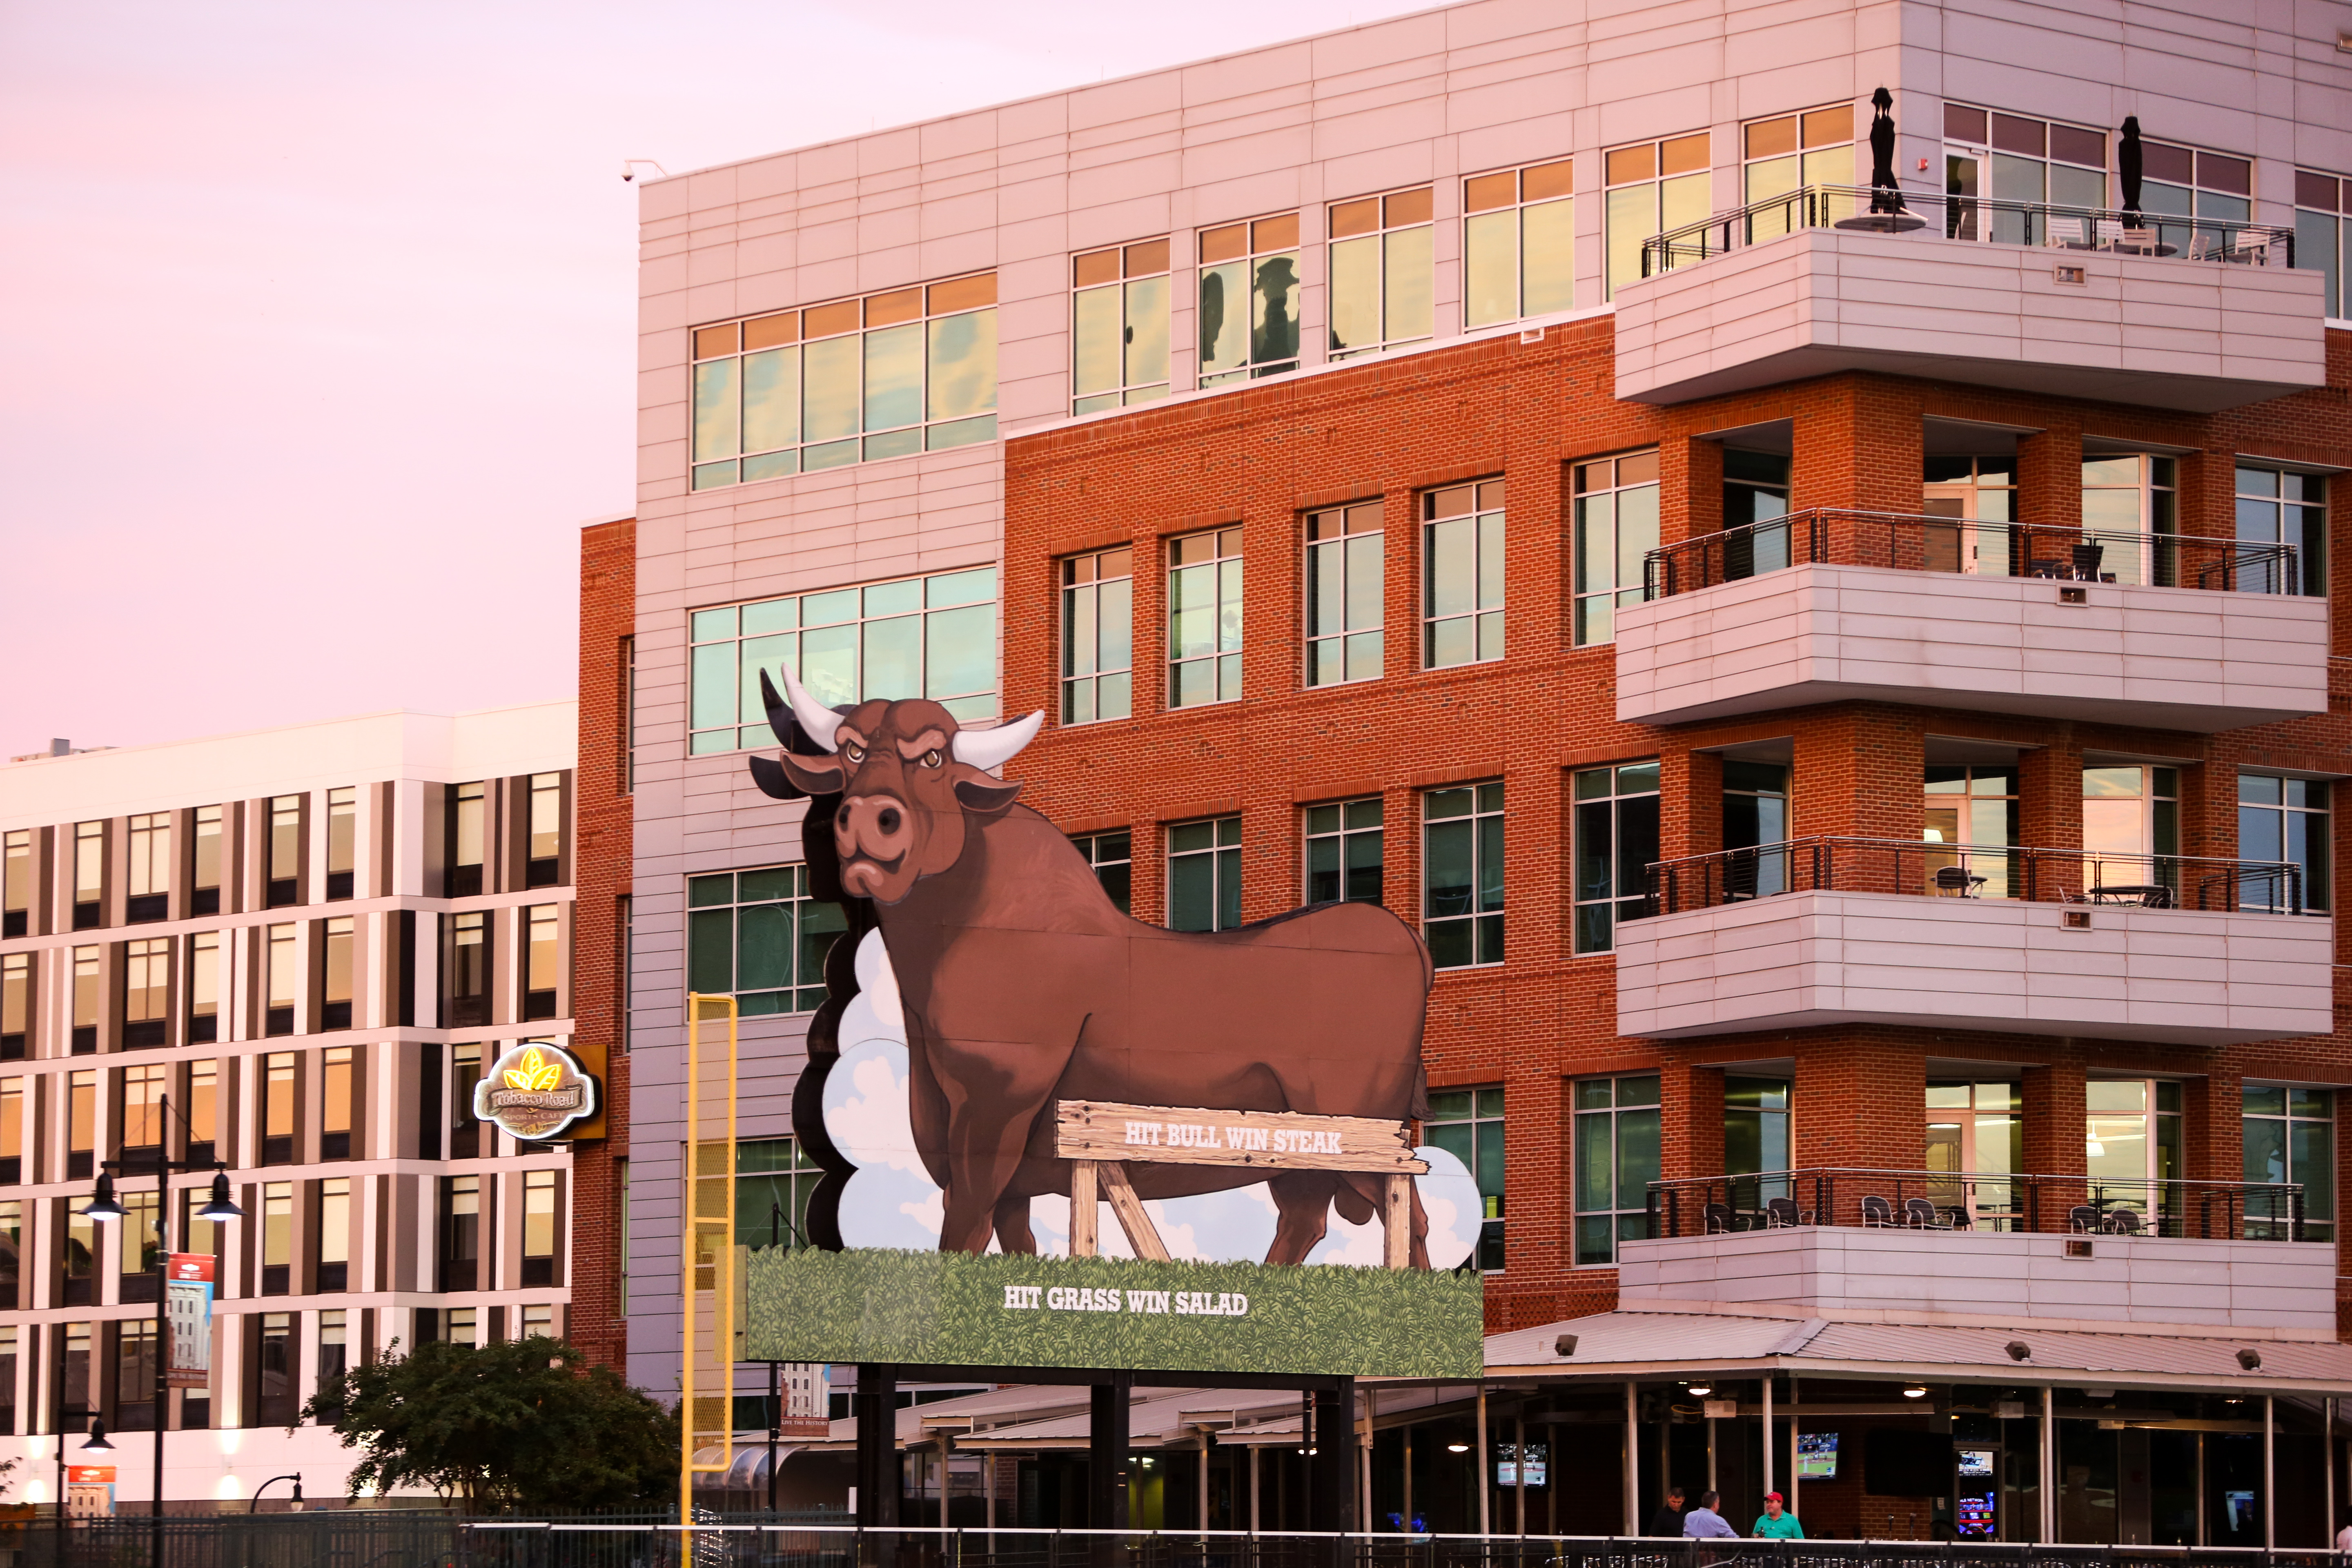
2258, 1289
2057, 958
2186, 657
2162, 331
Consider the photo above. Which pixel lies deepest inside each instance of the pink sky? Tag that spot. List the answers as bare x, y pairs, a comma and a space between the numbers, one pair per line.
315, 319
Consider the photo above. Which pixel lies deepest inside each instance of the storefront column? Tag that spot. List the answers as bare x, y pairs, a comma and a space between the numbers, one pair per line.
1632, 1466
2270, 1480
1768, 1429
2327, 1464
1485, 1490
2050, 1467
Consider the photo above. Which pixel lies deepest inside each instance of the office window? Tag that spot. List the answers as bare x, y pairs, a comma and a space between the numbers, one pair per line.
1099, 636
204, 1109
624, 936
2290, 1136
2011, 158
541, 1228
81, 1260
1616, 1161
1616, 843
2323, 233
465, 1131
342, 840
12, 1293
2130, 493
334, 1238
12, 1131
143, 1106
16, 1004
1205, 874
465, 1327
1781, 155
1343, 852
75, 1383
276, 1237
2285, 819
461, 1232
1383, 254
282, 966
2185, 182
537, 1322
135, 1374
204, 863
1756, 1128
916, 637
1249, 299
334, 1352
1112, 856
466, 970
542, 960
1519, 243
1118, 326
1345, 583
203, 987
8, 1374
339, 1087
1461, 874
544, 867
621, 1201
466, 828
284, 868
774, 1179
1468, 1124
90, 874
1204, 618
1462, 575
854, 381
278, 1386
278, 1106
197, 1232
1651, 187
1616, 528
338, 934
89, 998
16, 883
137, 1242
759, 935
147, 879
627, 726
146, 992
2278, 506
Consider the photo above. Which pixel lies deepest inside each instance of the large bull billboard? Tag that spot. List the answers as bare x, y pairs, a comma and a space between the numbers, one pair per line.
1055, 1136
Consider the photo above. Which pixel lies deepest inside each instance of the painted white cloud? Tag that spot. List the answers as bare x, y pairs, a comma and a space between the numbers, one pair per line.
891, 1200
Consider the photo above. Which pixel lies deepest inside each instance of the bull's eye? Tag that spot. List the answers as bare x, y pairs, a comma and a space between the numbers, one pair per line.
932, 758
855, 752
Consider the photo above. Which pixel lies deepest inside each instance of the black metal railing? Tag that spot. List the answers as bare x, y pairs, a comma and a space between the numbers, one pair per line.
1907, 542
1936, 213
1930, 869
1977, 1200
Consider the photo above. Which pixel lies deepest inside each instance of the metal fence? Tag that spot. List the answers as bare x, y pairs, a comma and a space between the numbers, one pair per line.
423, 1539
1965, 1200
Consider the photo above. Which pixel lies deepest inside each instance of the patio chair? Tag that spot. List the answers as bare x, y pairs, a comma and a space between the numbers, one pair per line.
1921, 1215
2086, 561
2126, 1222
1719, 1219
1958, 879
2142, 239
2042, 566
2082, 1218
2063, 233
2196, 248
1876, 1213
1784, 1214
2250, 247
2110, 233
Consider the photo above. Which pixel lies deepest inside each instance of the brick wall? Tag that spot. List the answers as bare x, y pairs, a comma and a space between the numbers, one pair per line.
600, 860
1525, 412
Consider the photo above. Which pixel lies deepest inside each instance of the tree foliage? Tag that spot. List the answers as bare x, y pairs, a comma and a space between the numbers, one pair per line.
519, 1424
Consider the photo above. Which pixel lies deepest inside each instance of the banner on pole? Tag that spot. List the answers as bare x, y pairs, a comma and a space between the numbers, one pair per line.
188, 1309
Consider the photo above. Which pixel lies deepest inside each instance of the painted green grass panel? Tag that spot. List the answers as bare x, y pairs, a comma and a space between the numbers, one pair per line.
953, 1309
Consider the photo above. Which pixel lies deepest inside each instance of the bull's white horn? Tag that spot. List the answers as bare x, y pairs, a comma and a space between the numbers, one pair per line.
993, 748
819, 721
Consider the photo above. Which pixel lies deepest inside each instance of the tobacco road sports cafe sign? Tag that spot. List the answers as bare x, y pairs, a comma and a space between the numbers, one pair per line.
534, 1091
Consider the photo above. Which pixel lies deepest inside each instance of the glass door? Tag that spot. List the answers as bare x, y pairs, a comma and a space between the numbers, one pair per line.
1756, 1139
1963, 183
1975, 1143
2131, 835
2132, 1145
1979, 495
1972, 808
1755, 814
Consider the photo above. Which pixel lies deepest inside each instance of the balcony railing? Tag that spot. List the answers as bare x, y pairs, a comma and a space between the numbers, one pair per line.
1977, 1200
1905, 542
1934, 869
2042, 224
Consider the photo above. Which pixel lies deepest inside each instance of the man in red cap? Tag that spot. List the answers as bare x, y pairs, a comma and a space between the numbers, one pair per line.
1774, 1524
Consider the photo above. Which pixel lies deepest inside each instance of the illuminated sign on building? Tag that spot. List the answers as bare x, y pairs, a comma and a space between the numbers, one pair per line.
534, 1091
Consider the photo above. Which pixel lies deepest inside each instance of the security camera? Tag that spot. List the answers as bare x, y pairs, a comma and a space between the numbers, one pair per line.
628, 172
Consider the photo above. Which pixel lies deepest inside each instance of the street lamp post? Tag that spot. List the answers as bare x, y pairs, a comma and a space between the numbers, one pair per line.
103, 1207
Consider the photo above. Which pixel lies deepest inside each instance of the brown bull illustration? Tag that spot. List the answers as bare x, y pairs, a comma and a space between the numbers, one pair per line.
1023, 985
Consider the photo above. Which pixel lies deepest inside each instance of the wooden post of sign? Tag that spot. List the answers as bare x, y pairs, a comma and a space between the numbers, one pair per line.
1396, 1220
1085, 1213
1142, 1234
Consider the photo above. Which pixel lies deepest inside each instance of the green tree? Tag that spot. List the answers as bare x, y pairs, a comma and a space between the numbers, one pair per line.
520, 1423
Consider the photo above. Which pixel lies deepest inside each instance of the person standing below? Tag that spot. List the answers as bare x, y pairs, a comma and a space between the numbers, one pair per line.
1668, 1519
1773, 1524
1703, 1523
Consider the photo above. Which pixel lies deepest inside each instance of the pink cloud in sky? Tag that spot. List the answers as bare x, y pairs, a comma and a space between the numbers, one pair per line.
317, 319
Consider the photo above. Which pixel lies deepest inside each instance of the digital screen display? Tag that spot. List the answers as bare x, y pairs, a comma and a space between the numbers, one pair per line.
1508, 1468
1817, 1456
1976, 1463
1976, 1514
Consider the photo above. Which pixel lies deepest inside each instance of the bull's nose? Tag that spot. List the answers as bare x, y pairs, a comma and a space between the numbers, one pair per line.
886, 819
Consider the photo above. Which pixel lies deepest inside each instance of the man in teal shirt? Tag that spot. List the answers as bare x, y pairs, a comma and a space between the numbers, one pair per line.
1774, 1525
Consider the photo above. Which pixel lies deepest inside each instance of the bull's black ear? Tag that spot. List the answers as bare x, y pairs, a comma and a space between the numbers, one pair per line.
769, 774
986, 796
811, 776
